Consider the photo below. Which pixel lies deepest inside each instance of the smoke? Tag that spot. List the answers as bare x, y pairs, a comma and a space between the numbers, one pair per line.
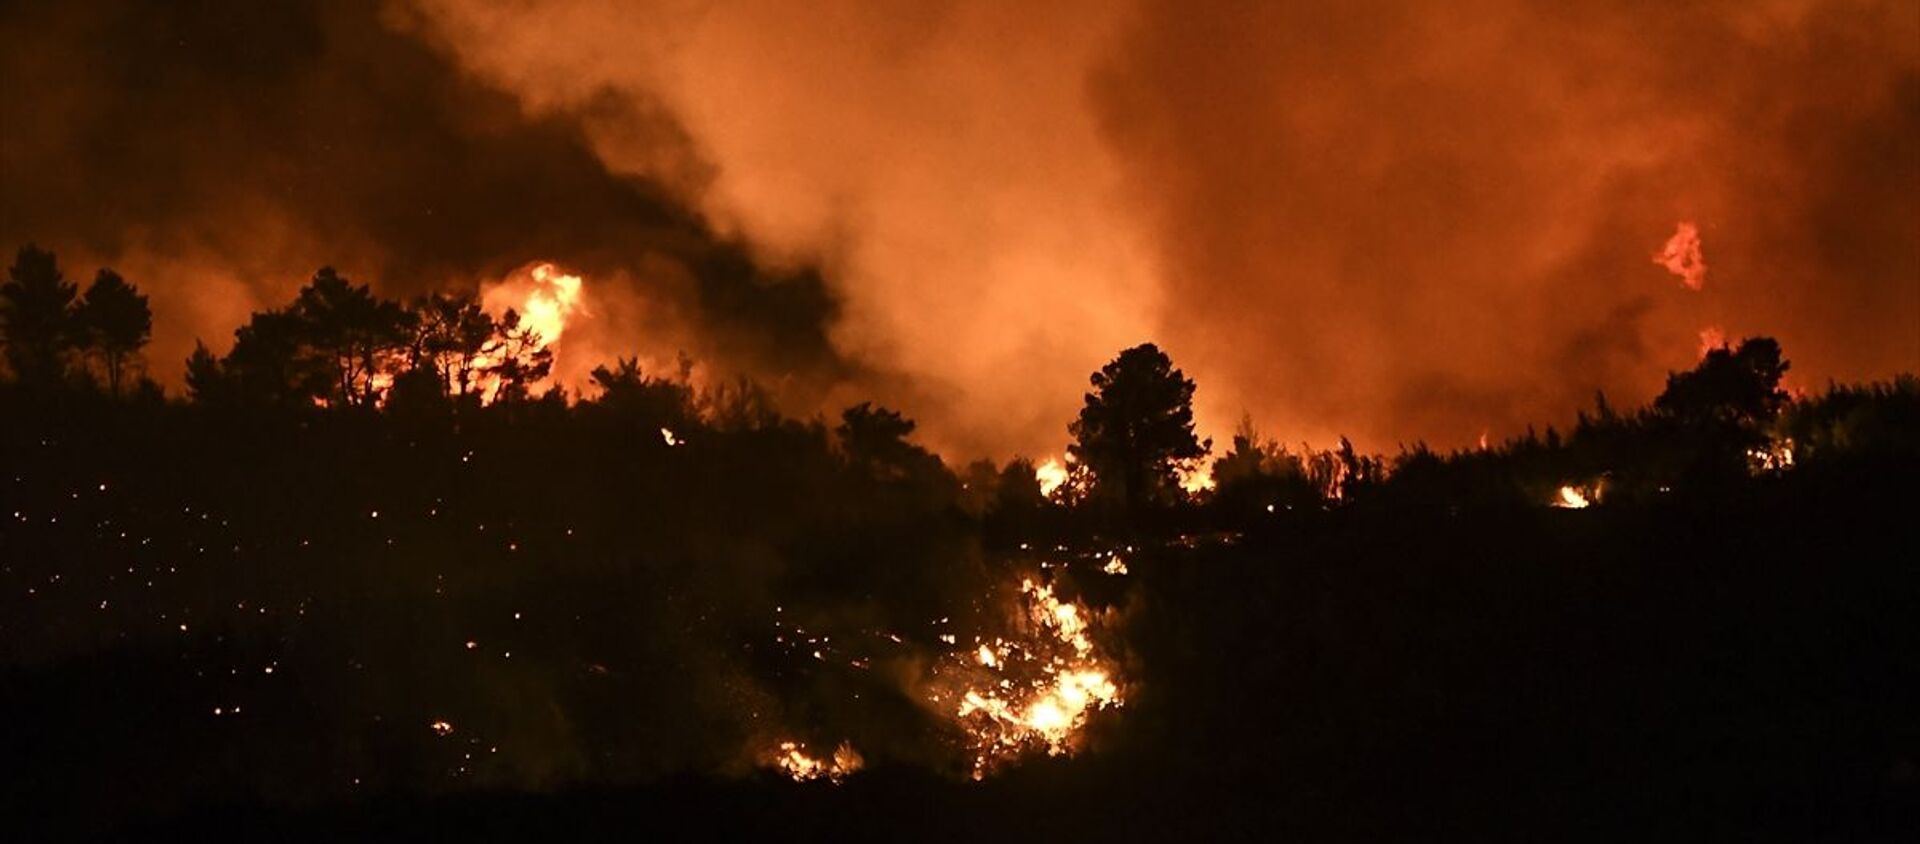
1388, 220
939, 164
1411, 221
218, 153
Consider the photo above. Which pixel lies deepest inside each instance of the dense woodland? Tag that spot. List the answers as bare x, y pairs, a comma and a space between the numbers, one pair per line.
246, 600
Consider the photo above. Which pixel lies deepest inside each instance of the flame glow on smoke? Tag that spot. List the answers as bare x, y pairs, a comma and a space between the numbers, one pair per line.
544, 297
1682, 256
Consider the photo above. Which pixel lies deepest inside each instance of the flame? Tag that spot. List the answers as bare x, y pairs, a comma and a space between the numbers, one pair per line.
545, 298
792, 758
1036, 692
1712, 337
1573, 498
1682, 256
1197, 478
1775, 456
1051, 474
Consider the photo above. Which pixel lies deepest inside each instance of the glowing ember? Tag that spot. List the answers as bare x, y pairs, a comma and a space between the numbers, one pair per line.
1682, 256
1034, 693
1052, 475
1572, 497
1119, 566
666, 434
793, 759
441, 728
1775, 456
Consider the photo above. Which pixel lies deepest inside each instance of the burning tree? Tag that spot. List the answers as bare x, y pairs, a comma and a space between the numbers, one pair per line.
1136, 430
352, 335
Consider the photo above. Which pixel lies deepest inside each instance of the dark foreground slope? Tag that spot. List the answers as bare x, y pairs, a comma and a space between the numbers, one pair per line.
1734, 669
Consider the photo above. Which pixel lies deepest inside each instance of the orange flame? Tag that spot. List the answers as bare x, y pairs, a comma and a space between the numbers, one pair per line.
1682, 256
1035, 693
1196, 478
544, 297
1051, 474
1575, 497
1712, 337
792, 758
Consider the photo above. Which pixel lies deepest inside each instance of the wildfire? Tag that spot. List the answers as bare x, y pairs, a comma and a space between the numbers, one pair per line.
1775, 456
1196, 478
545, 297
1712, 337
545, 300
1682, 256
1051, 474
793, 759
1573, 498
1033, 693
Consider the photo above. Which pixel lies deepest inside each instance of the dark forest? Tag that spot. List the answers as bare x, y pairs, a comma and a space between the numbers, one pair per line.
363, 580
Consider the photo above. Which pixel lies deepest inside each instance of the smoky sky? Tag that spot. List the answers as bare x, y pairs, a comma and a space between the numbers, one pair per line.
1395, 221
217, 153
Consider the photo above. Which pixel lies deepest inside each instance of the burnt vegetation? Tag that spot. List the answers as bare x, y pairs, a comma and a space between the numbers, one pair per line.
364, 578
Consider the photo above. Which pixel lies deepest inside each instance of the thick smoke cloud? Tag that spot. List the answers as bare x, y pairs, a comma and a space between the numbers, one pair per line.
1389, 220
938, 160
217, 153
1405, 220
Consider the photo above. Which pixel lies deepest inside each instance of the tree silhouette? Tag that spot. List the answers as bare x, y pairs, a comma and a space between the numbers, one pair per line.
630, 395
521, 358
1257, 473
1137, 427
454, 339
268, 365
206, 379
1739, 386
875, 439
354, 334
36, 311
114, 322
